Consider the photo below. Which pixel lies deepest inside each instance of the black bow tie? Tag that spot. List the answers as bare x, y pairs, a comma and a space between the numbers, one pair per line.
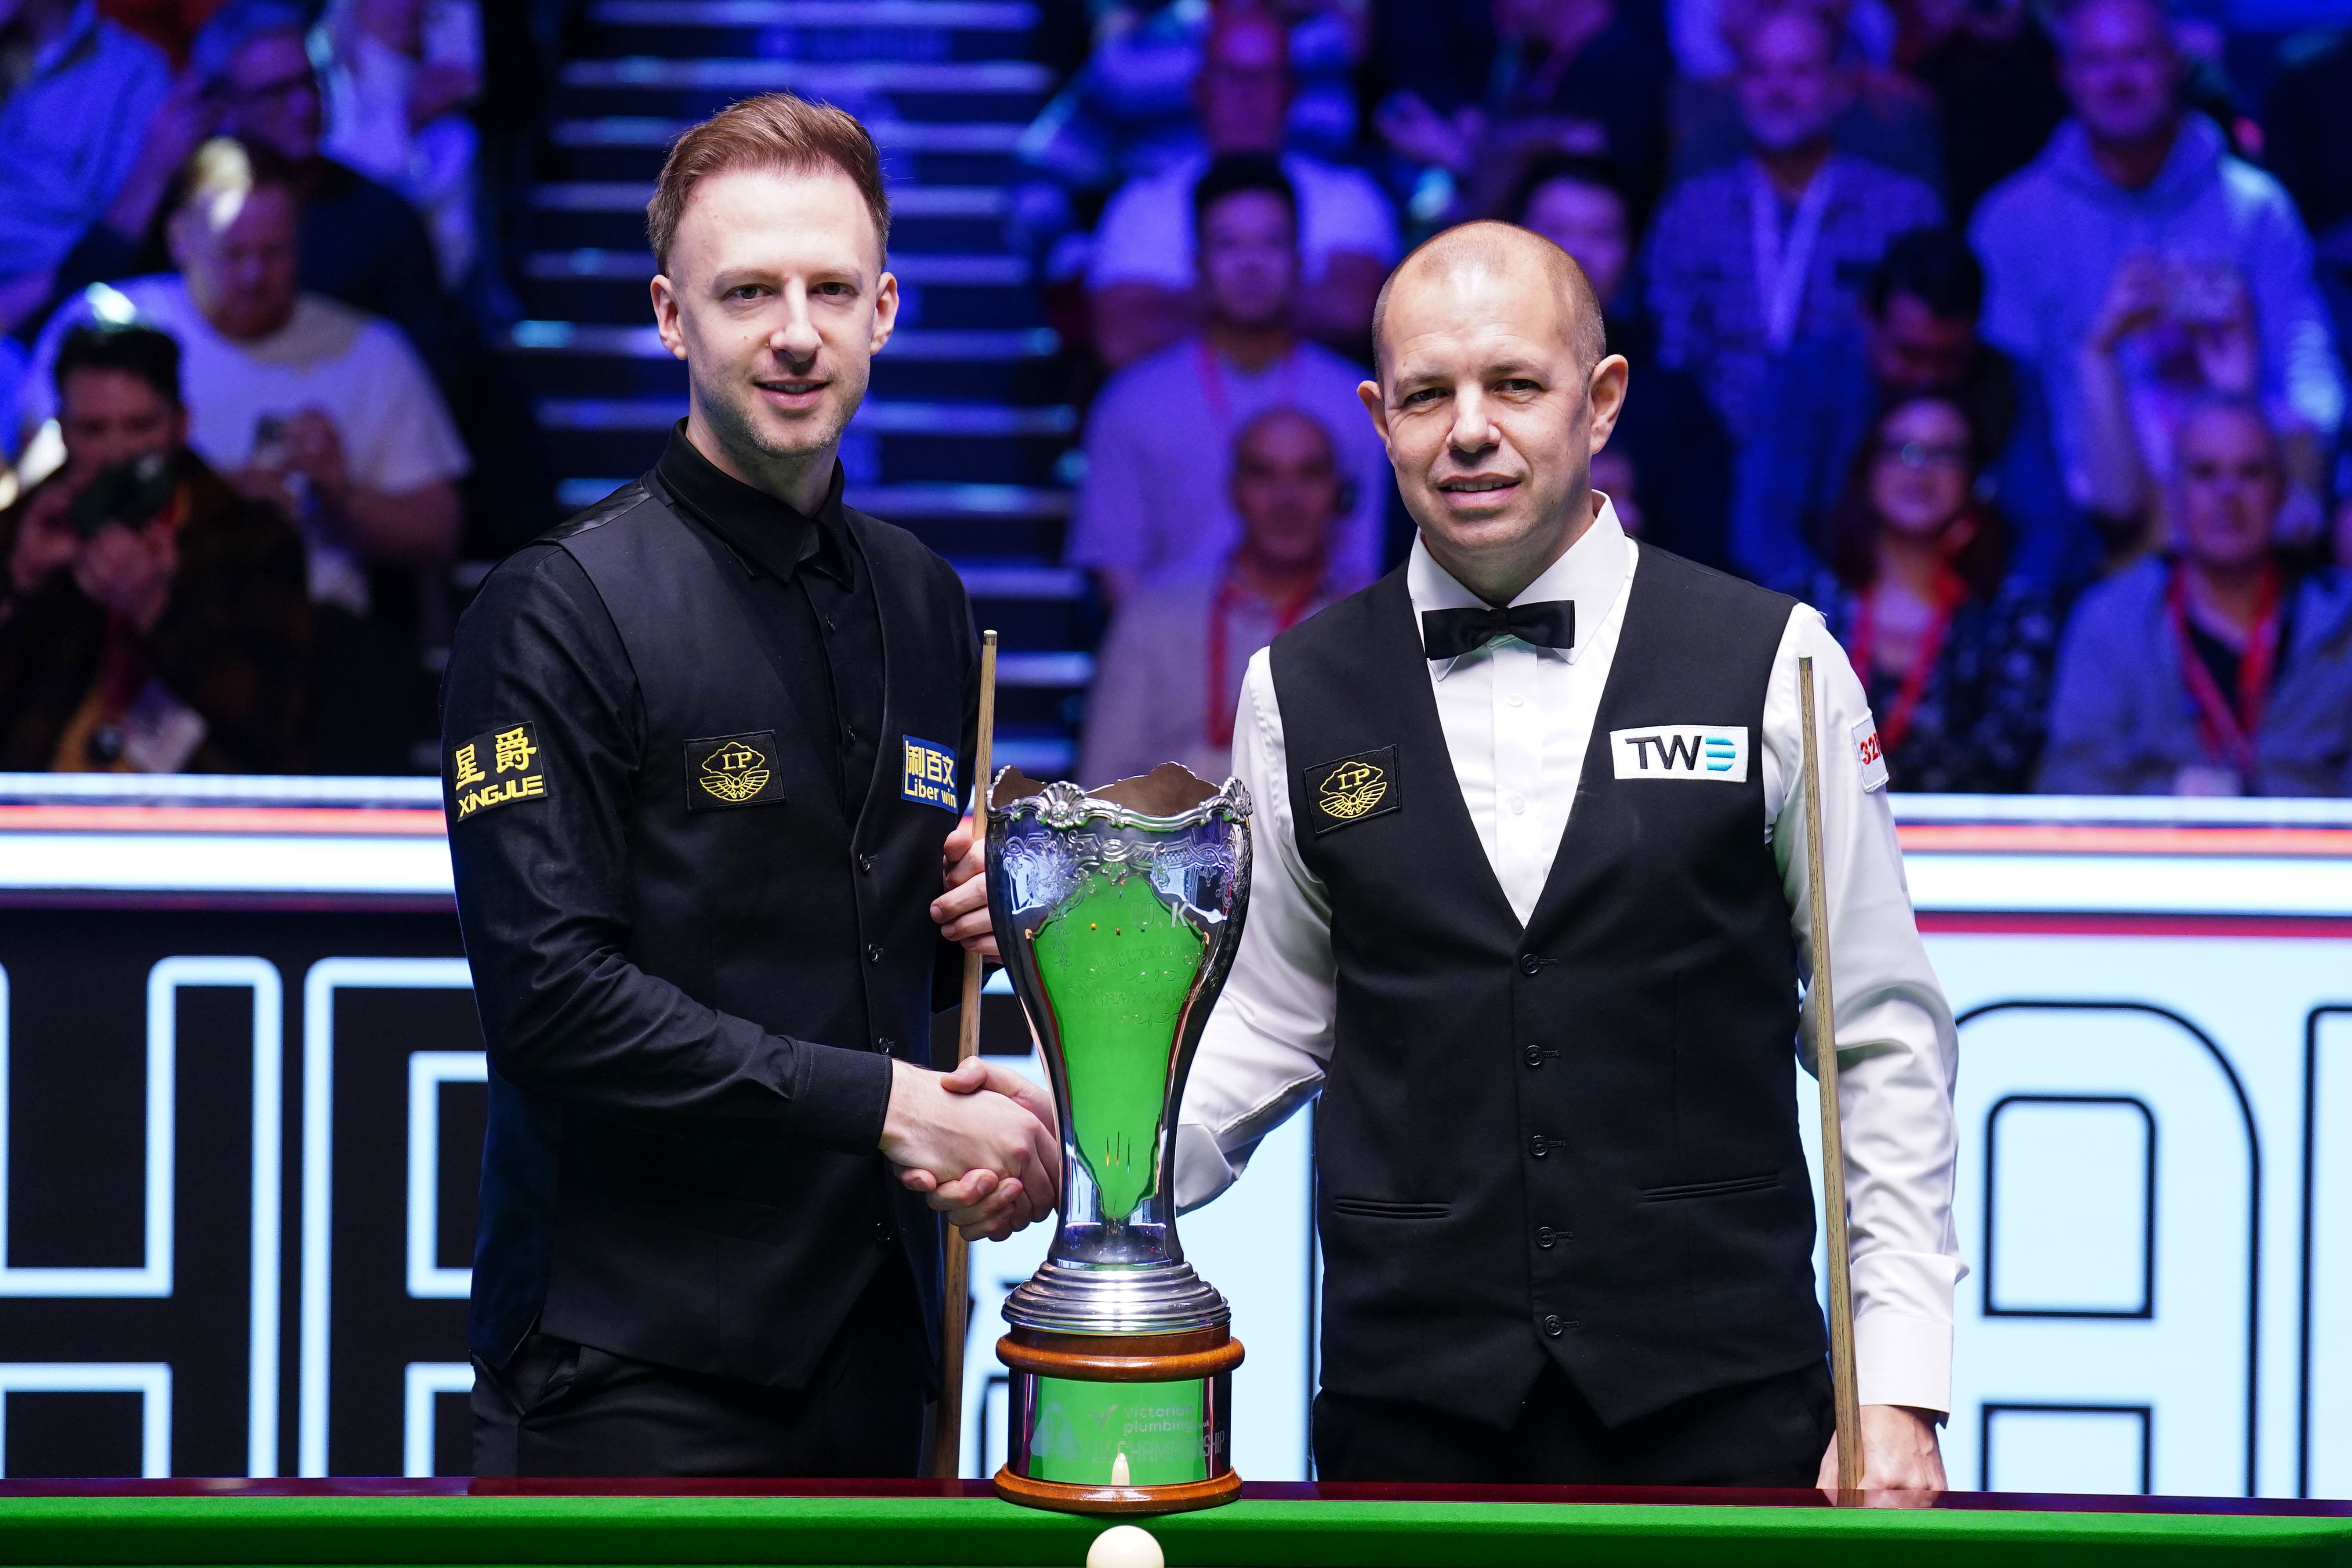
1450, 634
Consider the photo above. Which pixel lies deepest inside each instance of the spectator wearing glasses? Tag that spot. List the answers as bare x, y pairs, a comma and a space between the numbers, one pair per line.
1746, 259
361, 244
325, 413
1916, 335
1141, 281
77, 94
151, 619
1155, 502
2221, 670
1953, 649
1167, 680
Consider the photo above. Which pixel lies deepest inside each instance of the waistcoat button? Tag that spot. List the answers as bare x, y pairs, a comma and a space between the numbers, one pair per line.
866, 864
1529, 964
886, 1044
1536, 1145
1534, 1055
1552, 1325
1546, 1235
874, 952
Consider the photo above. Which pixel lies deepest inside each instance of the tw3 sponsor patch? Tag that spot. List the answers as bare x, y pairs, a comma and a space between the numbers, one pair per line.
1680, 752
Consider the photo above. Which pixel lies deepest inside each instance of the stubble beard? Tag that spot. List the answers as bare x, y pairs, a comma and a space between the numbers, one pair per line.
732, 411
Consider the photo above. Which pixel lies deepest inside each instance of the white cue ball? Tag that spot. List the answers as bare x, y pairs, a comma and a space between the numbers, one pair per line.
1125, 1546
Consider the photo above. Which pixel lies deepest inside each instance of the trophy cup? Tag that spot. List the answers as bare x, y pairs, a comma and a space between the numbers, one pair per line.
1117, 913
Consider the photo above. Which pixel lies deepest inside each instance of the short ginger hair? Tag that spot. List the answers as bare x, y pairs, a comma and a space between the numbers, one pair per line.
773, 130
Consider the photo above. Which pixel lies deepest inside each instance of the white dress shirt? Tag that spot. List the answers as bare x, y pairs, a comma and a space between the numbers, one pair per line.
1516, 720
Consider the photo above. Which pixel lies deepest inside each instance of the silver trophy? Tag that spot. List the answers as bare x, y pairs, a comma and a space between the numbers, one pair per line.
1117, 912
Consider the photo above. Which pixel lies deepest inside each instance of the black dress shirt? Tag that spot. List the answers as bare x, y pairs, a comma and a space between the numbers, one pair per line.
815, 590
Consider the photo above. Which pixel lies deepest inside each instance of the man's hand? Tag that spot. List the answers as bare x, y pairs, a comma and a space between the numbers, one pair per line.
978, 1202
943, 1128
46, 539
962, 911
1901, 1463
130, 574
314, 448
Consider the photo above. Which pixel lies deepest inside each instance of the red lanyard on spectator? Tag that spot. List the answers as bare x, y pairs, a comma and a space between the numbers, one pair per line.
2229, 734
1221, 610
1897, 723
1213, 388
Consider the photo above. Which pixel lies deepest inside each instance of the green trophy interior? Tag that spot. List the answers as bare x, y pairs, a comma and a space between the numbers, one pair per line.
1117, 965
1123, 1433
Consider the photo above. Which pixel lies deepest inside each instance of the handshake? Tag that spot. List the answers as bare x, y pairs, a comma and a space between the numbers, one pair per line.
981, 1142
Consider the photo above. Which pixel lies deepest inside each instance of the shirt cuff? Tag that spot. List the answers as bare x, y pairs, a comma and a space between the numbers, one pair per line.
1201, 1170
1902, 1360
838, 1097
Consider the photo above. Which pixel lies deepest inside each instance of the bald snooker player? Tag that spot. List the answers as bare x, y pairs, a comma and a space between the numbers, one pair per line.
1528, 916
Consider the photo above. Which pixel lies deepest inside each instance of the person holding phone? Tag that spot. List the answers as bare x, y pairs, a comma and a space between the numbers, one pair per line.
151, 619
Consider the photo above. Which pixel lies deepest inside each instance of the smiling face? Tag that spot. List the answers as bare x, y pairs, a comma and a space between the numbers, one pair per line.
1489, 412
775, 297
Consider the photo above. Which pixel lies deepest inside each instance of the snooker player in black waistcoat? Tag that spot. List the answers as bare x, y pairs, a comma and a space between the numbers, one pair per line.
1528, 916
705, 746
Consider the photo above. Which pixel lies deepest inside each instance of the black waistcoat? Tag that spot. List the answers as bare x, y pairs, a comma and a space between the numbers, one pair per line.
1577, 1138
716, 1250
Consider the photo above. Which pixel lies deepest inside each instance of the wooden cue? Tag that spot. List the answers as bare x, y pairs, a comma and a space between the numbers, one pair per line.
1823, 1029
947, 1431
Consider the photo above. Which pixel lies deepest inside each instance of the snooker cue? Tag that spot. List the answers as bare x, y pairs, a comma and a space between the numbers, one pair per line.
947, 1431
1823, 1029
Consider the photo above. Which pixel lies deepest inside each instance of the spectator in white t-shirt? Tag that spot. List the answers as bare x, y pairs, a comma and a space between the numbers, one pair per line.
1141, 281
320, 409
1156, 504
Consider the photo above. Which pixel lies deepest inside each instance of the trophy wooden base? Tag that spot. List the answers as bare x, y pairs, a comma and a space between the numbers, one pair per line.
1067, 1497
1111, 1423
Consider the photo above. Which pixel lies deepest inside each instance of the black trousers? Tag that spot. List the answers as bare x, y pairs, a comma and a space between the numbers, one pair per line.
1767, 1433
563, 1409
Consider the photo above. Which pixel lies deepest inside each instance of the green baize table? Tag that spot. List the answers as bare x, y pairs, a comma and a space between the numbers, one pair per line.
961, 1524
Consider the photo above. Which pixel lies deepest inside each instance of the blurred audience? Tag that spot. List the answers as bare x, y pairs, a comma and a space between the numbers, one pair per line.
1128, 109
1167, 680
1954, 649
1140, 282
151, 620
1155, 501
77, 94
324, 412
396, 75
1916, 334
1994, 76
361, 243
1668, 466
1744, 260
2308, 145
2222, 670
1574, 77
2136, 251
1882, 116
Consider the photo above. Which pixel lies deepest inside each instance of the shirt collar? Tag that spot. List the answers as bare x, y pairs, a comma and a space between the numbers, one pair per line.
1588, 574
771, 536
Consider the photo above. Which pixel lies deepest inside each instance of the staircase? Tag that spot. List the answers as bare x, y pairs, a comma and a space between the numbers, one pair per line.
961, 436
